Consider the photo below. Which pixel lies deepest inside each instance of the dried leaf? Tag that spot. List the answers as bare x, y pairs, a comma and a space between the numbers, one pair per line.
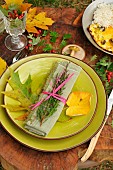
79, 103
35, 20
3, 66
22, 117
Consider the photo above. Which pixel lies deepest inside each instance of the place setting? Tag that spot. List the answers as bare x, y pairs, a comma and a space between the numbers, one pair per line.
51, 102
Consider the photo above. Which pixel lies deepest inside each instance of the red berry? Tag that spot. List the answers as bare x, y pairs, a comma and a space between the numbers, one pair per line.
30, 41
19, 17
15, 11
40, 31
10, 14
26, 47
110, 73
36, 34
53, 51
29, 45
108, 77
22, 15
16, 15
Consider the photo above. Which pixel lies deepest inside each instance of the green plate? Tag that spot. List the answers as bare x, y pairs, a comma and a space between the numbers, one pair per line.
61, 144
64, 127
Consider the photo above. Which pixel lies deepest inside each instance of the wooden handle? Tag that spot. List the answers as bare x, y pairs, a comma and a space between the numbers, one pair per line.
92, 144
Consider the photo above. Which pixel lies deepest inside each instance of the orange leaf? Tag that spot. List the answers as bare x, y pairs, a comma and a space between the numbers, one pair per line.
22, 117
79, 103
25, 6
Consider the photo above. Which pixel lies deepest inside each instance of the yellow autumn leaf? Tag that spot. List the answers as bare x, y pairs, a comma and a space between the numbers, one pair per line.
18, 2
3, 66
79, 103
5, 6
32, 29
35, 20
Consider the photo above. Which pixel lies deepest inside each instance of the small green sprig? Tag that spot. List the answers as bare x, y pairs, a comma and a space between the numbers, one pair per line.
64, 40
53, 36
48, 107
104, 68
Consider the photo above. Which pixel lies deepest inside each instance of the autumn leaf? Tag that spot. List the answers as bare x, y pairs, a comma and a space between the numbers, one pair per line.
25, 6
16, 4
9, 2
79, 103
35, 20
22, 117
20, 92
3, 66
14, 108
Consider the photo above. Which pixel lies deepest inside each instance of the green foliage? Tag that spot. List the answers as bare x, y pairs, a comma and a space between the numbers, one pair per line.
53, 36
63, 42
21, 92
101, 67
4, 11
47, 48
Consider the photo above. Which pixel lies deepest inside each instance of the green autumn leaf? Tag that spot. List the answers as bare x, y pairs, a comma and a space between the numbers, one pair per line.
14, 108
20, 92
17, 95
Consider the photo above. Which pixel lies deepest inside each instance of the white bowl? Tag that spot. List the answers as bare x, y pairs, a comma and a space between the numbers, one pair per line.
88, 17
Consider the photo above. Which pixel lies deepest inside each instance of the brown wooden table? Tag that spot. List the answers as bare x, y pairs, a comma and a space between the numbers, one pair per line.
15, 156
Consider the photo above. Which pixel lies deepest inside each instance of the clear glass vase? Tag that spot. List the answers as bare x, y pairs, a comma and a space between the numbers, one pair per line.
15, 27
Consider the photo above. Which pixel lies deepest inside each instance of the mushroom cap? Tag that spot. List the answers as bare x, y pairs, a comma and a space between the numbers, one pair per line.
74, 51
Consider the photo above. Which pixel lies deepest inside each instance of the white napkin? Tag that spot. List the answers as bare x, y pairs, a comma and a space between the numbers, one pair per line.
32, 123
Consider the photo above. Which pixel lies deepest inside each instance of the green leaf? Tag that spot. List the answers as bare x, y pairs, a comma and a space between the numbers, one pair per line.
66, 36
63, 43
45, 33
13, 6
47, 48
30, 36
94, 57
16, 84
110, 67
53, 36
4, 11
42, 43
35, 40
21, 92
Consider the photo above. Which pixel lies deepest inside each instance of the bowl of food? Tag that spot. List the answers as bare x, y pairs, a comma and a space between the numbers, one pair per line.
97, 24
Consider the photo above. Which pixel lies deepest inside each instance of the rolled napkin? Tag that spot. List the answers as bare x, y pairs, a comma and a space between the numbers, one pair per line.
51, 101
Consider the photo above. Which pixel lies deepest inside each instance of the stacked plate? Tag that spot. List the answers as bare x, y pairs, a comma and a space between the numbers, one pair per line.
65, 134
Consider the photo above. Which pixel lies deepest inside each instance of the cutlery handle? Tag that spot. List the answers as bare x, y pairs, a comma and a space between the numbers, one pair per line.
93, 143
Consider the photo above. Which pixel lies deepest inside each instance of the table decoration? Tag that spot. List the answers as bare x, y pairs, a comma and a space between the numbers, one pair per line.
65, 126
15, 23
67, 143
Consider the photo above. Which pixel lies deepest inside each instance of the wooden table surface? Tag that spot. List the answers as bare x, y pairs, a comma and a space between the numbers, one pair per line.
15, 156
